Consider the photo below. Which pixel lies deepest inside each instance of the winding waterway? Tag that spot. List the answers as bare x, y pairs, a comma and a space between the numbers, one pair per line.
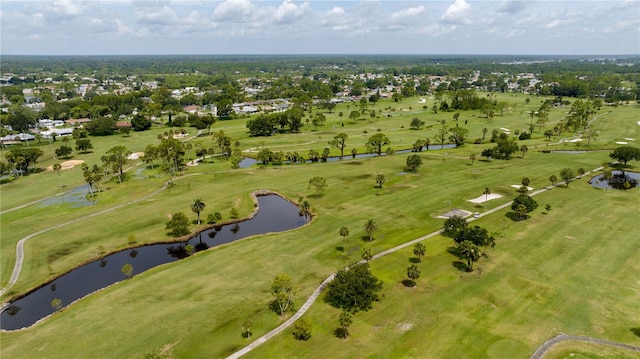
275, 215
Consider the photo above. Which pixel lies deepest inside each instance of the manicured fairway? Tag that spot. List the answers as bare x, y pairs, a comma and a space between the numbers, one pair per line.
572, 269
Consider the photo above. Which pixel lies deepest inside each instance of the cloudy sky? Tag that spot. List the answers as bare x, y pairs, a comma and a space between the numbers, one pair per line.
72, 27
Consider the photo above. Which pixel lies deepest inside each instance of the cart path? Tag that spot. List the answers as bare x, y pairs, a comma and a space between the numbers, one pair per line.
316, 293
547, 345
17, 267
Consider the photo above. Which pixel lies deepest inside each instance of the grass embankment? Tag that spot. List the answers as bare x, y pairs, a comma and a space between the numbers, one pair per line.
566, 271
563, 271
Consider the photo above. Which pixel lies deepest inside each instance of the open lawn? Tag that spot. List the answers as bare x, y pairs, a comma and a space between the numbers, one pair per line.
571, 269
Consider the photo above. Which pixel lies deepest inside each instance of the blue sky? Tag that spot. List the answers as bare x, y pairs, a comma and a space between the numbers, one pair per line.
70, 27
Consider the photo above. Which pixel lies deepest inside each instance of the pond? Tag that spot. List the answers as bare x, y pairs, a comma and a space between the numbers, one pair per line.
246, 161
77, 197
275, 215
620, 180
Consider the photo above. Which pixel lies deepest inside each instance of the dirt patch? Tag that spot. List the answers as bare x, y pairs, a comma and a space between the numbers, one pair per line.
67, 165
455, 212
405, 326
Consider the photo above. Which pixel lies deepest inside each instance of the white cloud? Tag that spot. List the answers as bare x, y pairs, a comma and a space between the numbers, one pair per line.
457, 13
68, 7
288, 12
234, 10
407, 14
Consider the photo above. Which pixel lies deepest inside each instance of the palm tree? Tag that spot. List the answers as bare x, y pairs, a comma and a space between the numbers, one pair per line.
198, 206
469, 251
380, 179
419, 249
486, 193
344, 232
304, 209
57, 167
370, 227
367, 254
472, 158
521, 210
413, 272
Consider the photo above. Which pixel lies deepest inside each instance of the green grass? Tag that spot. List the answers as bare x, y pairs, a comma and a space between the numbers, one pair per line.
569, 270
582, 350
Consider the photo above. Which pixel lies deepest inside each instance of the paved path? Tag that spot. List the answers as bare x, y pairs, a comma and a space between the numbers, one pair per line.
544, 348
320, 288
17, 267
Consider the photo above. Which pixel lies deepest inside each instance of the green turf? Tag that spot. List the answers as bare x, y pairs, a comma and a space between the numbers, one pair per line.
569, 270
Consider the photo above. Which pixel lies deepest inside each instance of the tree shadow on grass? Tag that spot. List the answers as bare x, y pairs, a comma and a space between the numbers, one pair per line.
461, 266
408, 283
341, 333
414, 260
636, 331
515, 217
340, 249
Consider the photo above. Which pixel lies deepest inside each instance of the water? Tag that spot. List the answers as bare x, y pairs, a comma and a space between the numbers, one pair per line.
246, 162
77, 197
276, 215
617, 181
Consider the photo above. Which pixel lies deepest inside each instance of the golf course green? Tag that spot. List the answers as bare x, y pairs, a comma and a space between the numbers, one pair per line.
571, 267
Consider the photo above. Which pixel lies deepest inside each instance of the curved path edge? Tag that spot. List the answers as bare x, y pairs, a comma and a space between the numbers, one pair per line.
549, 343
17, 267
321, 287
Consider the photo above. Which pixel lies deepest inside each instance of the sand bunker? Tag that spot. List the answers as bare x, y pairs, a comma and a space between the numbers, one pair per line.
505, 129
575, 140
485, 198
135, 155
517, 186
622, 143
630, 139
67, 165
455, 212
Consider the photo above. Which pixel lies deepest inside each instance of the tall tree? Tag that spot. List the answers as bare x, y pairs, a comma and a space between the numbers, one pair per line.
470, 252
318, 184
625, 154
284, 290
344, 232
21, 158
198, 206
419, 250
57, 167
413, 272
178, 225
353, 289
567, 174
413, 162
377, 141
339, 142
370, 227
553, 179
528, 205
117, 157
304, 209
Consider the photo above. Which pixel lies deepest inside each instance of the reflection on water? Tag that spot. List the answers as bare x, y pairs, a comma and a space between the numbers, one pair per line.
276, 215
619, 180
